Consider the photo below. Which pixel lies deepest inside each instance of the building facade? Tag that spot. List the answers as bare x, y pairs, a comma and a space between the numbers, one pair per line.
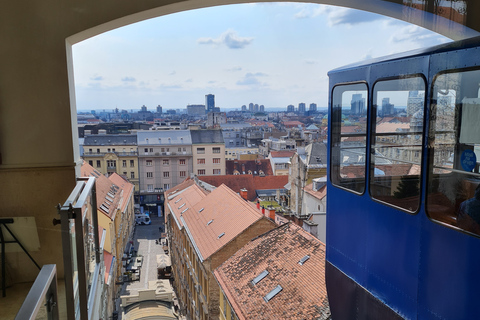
113, 153
208, 153
165, 160
205, 229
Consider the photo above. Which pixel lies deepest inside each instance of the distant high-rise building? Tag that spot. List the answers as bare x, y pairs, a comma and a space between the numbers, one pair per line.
290, 108
196, 110
250, 107
357, 105
313, 107
244, 108
262, 108
388, 109
159, 109
414, 102
143, 108
301, 107
255, 108
210, 102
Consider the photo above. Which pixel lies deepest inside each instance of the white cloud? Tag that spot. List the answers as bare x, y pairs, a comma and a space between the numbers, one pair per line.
251, 79
128, 79
337, 15
96, 78
228, 38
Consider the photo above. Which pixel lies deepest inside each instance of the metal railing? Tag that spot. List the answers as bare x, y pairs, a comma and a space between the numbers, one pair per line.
81, 250
42, 295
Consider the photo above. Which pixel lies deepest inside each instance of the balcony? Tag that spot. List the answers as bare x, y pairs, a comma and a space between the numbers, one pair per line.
119, 154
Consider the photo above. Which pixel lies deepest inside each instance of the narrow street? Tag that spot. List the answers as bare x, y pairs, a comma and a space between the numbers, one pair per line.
146, 242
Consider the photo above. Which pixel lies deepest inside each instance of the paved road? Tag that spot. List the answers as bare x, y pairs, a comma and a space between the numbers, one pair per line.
144, 240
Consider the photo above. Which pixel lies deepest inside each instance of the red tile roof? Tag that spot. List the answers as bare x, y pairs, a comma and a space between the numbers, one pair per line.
126, 189
247, 181
303, 294
212, 220
319, 194
104, 186
107, 259
281, 154
294, 123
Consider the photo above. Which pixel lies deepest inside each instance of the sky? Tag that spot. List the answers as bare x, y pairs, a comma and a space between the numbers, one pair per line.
271, 54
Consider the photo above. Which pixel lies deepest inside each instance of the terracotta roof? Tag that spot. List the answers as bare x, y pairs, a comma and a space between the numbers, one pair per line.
247, 181
107, 259
293, 123
281, 154
387, 127
303, 292
319, 194
212, 220
125, 186
108, 193
183, 199
249, 165
183, 185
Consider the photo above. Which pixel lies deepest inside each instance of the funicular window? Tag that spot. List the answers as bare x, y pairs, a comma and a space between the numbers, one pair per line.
397, 135
454, 147
349, 138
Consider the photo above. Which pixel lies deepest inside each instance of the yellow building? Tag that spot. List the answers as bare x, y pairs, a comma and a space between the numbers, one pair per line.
113, 153
208, 152
115, 213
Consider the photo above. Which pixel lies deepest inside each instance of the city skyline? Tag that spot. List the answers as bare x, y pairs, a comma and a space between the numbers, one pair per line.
280, 57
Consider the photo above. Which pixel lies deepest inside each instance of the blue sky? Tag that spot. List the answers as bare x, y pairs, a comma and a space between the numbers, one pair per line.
273, 54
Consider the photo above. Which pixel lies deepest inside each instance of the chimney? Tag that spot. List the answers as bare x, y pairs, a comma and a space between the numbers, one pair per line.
243, 193
258, 204
271, 213
263, 210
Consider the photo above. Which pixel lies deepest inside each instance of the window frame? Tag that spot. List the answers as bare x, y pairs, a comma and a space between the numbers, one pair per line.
333, 174
372, 135
431, 153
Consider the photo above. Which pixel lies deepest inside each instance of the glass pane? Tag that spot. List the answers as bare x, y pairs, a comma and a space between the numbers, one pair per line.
89, 239
349, 122
454, 147
76, 294
397, 142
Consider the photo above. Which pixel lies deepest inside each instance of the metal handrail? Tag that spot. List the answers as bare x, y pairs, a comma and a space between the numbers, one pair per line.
44, 289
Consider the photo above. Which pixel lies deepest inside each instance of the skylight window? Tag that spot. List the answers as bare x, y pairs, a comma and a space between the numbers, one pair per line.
181, 206
209, 222
184, 211
273, 293
303, 260
178, 200
259, 278
200, 210
221, 235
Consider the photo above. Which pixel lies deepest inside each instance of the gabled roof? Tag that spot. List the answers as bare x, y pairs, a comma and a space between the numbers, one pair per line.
317, 154
125, 186
108, 194
110, 140
255, 166
207, 136
247, 181
319, 194
213, 220
287, 259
